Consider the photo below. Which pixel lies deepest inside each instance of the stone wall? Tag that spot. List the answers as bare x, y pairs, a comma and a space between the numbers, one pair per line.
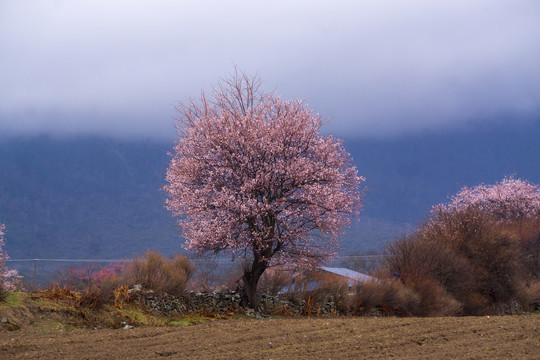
226, 302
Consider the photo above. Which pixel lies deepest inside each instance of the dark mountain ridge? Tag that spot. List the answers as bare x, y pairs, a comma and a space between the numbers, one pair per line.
96, 197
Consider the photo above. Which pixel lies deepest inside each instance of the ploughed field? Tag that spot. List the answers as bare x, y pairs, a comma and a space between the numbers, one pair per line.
506, 337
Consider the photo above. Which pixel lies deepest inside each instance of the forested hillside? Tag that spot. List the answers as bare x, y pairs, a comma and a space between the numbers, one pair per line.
92, 197
84, 197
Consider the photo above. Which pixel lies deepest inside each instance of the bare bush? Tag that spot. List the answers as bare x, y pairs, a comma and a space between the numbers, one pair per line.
315, 288
530, 296
205, 277
3, 292
102, 285
332, 288
274, 280
528, 232
76, 277
160, 274
234, 279
390, 296
464, 256
101, 289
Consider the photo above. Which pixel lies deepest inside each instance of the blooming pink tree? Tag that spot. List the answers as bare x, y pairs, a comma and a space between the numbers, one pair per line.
251, 175
510, 199
8, 278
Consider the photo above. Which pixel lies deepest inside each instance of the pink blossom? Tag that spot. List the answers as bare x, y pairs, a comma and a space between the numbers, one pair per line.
509, 199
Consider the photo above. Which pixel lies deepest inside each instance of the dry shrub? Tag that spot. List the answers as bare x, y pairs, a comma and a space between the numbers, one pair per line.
434, 300
234, 276
528, 231
273, 281
77, 277
530, 296
413, 259
461, 261
59, 293
92, 298
491, 251
102, 288
316, 288
160, 274
206, 276
391, 296
3, 292
332, 288
311, 307
109, 284
121, 296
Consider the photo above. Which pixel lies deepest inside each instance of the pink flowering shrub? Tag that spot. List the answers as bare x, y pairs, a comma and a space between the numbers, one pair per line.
9, 278
508, 200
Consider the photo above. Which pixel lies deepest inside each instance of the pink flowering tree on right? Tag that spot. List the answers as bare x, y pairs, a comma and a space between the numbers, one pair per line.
507, 200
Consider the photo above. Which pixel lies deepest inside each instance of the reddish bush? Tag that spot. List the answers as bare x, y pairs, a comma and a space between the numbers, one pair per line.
489, 248
103, 285
77, 277
413, 258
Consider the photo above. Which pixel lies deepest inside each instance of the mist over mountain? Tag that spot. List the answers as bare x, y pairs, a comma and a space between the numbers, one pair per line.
406, 176
97, 197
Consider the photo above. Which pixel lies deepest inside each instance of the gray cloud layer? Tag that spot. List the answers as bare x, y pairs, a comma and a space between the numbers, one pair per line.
375, 67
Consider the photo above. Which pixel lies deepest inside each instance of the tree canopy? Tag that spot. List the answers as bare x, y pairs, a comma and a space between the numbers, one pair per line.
251, 174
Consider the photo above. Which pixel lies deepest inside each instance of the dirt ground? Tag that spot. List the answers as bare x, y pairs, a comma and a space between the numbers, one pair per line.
509, 337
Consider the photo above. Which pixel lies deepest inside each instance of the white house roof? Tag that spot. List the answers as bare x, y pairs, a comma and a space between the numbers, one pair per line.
349, 274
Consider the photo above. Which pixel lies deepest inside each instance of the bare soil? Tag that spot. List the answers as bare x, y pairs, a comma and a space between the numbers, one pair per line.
507, 337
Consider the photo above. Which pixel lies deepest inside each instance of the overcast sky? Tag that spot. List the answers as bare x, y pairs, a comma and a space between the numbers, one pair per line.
375, 67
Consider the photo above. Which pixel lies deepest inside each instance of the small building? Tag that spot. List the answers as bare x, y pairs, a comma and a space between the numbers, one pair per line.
352, 277
311, 280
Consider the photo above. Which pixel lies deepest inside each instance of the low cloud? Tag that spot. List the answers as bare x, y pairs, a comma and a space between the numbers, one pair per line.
375, 68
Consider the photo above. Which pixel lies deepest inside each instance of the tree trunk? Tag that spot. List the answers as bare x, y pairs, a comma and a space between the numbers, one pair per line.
250, 279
